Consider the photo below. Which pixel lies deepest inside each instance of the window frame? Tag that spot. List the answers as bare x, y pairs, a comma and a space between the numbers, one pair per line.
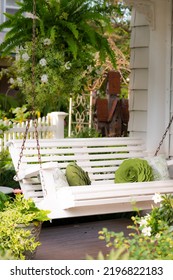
4, 5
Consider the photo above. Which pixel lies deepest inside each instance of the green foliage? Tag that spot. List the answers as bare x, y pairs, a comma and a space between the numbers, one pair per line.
151, 237
118, 254
69, 35
121, 22
16, 216
160, 217
20, 113
7, 171
53, 75
3, 199
6, 255
25, 210
70, 24
5, 160
6, 103
7, 178
139, 246
3, 128
13, 238
86, 133
79, 30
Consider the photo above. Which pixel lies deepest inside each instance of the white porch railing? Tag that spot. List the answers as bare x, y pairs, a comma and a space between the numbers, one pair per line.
51, 126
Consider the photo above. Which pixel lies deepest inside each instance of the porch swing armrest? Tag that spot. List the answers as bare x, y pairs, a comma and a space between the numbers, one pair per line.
170, 162
34, 170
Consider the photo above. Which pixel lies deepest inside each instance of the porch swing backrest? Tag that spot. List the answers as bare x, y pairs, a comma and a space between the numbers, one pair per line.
100, 157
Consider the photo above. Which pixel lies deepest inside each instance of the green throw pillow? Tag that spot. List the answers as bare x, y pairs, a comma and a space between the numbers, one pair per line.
134, 170
76, 176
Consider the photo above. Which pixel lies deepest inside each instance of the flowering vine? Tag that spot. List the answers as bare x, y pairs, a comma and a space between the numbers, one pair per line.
55, 76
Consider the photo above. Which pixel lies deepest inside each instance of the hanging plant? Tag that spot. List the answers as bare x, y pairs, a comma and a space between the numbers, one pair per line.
49, 69
54, 75
69, 35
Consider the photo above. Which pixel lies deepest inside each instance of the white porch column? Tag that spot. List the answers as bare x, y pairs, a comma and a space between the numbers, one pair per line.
159, 76
57, 119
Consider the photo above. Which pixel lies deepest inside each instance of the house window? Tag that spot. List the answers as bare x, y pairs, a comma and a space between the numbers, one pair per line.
8, 6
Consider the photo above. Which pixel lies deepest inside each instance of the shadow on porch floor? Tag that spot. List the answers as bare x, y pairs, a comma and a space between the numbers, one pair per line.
73, 239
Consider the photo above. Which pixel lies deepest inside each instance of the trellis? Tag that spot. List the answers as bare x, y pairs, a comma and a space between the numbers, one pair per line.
80, 113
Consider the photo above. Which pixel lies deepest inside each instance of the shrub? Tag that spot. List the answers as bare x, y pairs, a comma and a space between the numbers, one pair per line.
151, 237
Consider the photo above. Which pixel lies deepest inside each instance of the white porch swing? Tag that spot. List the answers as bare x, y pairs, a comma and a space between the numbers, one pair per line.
37, 161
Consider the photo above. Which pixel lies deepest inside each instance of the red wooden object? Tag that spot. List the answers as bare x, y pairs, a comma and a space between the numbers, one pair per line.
102, 110
113, 83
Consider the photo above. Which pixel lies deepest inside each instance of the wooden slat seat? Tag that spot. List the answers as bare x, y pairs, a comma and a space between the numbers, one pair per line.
100, 157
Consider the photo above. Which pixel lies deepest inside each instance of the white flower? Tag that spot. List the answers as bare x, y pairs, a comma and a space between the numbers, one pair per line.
17, 57
89, 68
146, 231
25, 56
157, 236
43, 62
143, 222
11, 81
19, 81
30, 15
17, 50
47, 42
67, 65
157, 198
44, 78
147, 217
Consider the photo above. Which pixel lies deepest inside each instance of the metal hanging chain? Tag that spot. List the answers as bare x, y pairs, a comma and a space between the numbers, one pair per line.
33, 80
22, 149
164, 135
32, 116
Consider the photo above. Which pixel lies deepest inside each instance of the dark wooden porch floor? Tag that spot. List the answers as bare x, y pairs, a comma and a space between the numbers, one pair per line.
73, 239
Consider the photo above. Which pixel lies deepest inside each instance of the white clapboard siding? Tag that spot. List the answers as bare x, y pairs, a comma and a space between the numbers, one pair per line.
138, 87
171, 95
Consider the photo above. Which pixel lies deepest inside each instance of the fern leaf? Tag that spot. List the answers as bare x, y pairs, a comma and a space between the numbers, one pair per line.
53, 31
90, 34
5, 24
72, 46
42, 27
72, 27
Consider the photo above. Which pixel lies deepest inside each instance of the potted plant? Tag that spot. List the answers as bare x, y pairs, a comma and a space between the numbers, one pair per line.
20, 225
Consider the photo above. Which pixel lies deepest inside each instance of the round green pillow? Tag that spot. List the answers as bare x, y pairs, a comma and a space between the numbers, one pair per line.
134, 170
76, 176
